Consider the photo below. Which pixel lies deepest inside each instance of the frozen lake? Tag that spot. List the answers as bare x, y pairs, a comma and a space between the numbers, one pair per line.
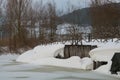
12, 70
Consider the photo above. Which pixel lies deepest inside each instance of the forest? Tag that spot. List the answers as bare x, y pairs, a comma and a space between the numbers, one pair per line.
24, 25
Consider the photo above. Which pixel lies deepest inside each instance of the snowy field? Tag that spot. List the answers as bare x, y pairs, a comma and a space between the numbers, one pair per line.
12, 70
44, 55
41, 61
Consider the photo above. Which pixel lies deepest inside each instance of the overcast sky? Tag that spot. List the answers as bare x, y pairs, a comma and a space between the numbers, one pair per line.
61, 4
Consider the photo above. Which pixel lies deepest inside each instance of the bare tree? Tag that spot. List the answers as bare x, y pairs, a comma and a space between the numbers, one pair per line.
0, 18
74, 34
16, 15
30, 22
1, 1
51, 8
105, 19
42, 21
73, 30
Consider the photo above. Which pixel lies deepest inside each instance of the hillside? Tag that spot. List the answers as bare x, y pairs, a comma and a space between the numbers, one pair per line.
81, 17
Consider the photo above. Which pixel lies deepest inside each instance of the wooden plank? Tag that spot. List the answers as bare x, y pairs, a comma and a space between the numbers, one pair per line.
77, 50
81, 51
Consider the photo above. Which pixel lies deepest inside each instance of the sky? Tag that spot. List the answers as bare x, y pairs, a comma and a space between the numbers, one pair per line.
61, 4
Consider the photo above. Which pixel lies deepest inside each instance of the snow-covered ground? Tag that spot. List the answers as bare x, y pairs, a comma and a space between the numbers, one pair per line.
44, 55
12, 70
105, 53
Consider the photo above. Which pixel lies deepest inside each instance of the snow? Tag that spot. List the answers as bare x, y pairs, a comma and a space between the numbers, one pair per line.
73, 62
60, 52
105, 68
44, 51
104, 52
86, 63
44, 55
7, 57
12, 70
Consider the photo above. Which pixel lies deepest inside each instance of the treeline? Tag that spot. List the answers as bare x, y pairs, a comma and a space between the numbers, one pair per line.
105, 15
27, 25
102, 15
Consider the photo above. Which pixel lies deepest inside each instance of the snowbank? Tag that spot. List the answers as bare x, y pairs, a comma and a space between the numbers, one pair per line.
44, 55
105, 68
104, 53
39, 52
73, 62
